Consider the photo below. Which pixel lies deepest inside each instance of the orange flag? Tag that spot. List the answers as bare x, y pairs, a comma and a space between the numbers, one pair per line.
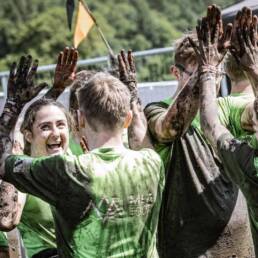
83, 24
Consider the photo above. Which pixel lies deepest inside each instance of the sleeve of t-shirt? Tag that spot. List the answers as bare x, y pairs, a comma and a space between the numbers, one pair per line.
230, 110
239, 160
3, 239
41, 177
153, 113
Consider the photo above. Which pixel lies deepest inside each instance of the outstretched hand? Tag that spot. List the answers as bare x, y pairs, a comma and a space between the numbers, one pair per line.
127, 72
213, 42
21, 87
244, 40
65, 68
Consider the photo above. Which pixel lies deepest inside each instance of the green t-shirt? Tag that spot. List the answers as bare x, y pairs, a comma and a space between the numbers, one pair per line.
241, 162
37, 226
74, 147
199, 198
106, 202
3, 239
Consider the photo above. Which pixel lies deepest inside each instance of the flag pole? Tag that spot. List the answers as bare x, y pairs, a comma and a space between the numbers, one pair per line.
99, 29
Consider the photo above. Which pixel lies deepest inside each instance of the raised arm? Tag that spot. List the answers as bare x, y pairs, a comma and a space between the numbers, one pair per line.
175, 120
138, 136
210, 53
21, 89
244, 45
64, 72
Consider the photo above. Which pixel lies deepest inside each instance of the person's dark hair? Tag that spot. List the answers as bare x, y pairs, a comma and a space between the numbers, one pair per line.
105, 100
30, 116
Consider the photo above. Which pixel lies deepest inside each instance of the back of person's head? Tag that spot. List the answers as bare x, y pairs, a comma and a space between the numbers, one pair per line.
30, 117
184, 52
105, 102
233, 70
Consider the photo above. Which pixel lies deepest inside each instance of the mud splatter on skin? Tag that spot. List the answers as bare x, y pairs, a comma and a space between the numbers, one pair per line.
64, 72
8, 206
21, 89
181, 113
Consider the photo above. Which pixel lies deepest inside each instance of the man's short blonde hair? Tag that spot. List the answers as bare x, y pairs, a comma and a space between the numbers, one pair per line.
105, 101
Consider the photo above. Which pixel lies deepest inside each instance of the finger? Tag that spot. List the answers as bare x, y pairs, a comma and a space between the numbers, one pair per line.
209, 14
84, 144
194, 46
59, 59
74, 60
212, 22
228, 35
33, 70
27, 65
123, 55
247, 38
205, 31
122, 68
254, 31
248, 17
241, 41
219, 21
66, 51
199, 51
12, 70
131, 61
243, 17
214, 15
200, 38
20, 66
216, 34
237, 20
70, 55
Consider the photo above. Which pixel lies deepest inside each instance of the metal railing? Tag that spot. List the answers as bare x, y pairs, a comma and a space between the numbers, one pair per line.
91, 61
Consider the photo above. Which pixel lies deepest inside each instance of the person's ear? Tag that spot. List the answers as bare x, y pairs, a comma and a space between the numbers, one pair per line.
28, 136
128, 119
175, 71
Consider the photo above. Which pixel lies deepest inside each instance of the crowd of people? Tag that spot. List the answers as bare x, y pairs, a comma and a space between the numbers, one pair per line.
182, 186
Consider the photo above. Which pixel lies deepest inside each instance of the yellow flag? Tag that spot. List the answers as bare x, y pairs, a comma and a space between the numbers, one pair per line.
83, 24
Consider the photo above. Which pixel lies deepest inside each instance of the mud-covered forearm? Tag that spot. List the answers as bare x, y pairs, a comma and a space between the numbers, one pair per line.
180, 113
138, 136
8, 193
8, 206
210, 123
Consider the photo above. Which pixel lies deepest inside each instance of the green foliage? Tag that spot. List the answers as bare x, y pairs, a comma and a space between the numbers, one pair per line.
40, 28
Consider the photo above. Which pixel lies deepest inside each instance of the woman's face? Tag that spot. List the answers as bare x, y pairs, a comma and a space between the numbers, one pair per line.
50, 132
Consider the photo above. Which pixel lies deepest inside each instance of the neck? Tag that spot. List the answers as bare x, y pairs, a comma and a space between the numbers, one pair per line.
242, 87
104, 139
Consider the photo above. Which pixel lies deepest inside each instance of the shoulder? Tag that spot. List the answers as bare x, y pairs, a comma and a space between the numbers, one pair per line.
148, 158
235, 101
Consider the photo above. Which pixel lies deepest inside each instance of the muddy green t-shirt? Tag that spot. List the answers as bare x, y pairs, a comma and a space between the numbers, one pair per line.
106, 202
37, 226
198, 198
3, 239
241, 162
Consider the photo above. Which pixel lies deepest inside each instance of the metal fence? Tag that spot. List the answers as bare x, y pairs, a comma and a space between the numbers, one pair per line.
149, 91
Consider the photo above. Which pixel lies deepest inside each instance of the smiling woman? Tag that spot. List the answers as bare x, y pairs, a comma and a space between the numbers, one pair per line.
45, 129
